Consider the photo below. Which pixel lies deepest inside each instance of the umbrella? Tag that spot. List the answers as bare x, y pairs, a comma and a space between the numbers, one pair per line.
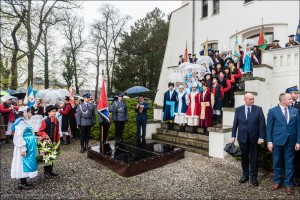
205, 59
6, 97
136, 89
41, 94
63, 93
20, 95
182, 65
175, 77
53, 96
249, 42
192, 66
233, 150
3, 93
11, 92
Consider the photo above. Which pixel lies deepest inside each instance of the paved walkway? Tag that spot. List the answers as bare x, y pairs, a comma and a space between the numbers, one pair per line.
194, 177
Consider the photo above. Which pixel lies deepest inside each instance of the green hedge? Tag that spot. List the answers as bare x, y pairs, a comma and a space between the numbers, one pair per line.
130, 127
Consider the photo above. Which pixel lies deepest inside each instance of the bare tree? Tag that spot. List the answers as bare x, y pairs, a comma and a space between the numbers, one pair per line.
110, 27
73, 27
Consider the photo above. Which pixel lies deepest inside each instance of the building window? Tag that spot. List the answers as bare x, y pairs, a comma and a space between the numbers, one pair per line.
247, 1
213, 46
268, 37
216, 5
204, 8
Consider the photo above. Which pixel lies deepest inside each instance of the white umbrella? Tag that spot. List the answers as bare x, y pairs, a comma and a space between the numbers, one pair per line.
249, 42
192, 66
182, 65
41, 94
175, 77
6, 97
205, 59
63, 93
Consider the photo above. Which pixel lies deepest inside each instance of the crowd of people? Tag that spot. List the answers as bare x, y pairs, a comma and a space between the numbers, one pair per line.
60, 123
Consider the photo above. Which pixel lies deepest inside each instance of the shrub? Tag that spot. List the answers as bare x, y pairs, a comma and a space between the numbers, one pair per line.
130, 126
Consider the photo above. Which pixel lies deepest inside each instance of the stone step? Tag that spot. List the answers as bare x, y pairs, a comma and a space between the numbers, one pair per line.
179, 140
187, 148
223, 129
244, 92
186, 135
187, 128
253, 78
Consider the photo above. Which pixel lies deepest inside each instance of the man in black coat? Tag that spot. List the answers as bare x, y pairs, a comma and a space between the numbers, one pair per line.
141, 117
250, 123
296, 104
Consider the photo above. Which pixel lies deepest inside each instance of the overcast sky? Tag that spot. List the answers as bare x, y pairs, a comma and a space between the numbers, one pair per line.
136, 9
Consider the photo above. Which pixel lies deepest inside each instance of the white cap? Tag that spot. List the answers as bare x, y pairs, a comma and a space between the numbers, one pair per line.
194, 85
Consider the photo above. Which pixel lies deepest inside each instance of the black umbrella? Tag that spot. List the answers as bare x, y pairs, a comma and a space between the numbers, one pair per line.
233, 150
20, 95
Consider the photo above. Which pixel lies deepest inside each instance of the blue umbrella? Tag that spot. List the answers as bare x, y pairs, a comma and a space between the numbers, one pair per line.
136, 89
11, 92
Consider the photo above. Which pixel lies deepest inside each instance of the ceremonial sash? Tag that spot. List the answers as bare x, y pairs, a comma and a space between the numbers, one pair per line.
203, 106
255, 59
172, 107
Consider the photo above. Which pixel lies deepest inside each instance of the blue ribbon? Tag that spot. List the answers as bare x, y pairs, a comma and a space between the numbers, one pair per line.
172, 107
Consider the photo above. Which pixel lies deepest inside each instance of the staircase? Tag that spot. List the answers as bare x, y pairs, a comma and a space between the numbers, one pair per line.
199, 143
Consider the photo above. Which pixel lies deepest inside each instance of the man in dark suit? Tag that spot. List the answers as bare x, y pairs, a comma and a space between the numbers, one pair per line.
296, 104
250, 123
141, 117
283, 134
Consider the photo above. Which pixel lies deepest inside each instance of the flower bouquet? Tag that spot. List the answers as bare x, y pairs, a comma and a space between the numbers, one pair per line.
47, 151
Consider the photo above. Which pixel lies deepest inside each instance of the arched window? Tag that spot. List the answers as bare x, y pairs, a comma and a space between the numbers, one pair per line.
268, 37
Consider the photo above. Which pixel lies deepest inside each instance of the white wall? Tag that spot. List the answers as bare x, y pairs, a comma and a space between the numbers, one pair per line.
280, 16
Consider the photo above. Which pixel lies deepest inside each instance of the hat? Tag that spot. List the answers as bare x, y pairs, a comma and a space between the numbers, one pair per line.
194, 54
292, 35
292, 89
181, 86
76, 97
87, 95
207, 75
230, 60
216, 77
240, 46
67, 98
201, 52
50, 108
225, 68
276, 40
194, 85
120, 94
189, 54
217, 51
180, 56
22, 109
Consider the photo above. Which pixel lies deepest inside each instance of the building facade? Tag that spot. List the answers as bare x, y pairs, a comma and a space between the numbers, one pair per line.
220, 22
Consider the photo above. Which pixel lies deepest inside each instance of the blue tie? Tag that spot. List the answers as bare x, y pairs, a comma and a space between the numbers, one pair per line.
248, 112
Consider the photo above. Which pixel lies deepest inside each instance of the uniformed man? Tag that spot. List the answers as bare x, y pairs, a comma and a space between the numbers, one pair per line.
292, 41
296, 104
120, 117
85, 118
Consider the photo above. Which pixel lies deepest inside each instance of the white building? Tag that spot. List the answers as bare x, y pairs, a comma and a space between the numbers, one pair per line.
220, 21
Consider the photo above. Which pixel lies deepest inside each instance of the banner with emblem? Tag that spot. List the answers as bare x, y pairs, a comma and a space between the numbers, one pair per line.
103, 103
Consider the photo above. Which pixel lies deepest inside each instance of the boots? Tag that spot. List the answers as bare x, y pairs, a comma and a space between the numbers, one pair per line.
82, 147
46, 172
7, 139
219, 118
169, 126
183, 128
22, 184
86, 145
65, 139
62, 141
195, 129
172, 126
180, 128
215, 119
68, 139
204, 131
28, 183
51, 171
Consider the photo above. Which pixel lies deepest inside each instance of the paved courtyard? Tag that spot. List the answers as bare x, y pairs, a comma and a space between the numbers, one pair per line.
193, 177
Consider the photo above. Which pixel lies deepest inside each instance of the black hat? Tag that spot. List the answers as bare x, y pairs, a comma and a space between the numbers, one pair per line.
76, 97
120, 94
86, 95
276, 40
180, 56
240, 46
225, 68
216, 77
217, 51
194, 55
292, 35
189, 54
292, 89
50, 108
207, 75
67, 98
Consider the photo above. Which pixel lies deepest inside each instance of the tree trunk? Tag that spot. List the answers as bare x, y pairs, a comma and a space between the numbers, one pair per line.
30, 59
97, 77
75, 72
46, 61
108, 75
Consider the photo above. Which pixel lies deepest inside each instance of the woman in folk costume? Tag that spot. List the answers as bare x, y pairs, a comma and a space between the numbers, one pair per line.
192, 113
24, 162
247, 61
50, 129
237, 75
170, 103
181, 108
217, 107
230, 95
189, 74
37, 115
67, 115
206, 112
